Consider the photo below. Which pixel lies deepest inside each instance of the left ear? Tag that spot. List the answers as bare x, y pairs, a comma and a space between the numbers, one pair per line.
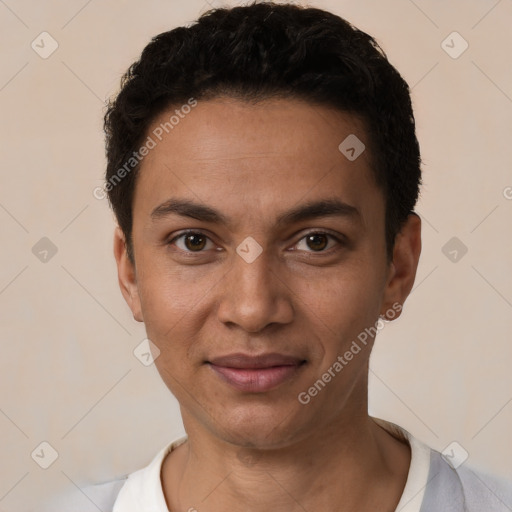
402, 272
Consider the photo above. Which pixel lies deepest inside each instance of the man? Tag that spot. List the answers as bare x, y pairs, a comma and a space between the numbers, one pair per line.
263, 168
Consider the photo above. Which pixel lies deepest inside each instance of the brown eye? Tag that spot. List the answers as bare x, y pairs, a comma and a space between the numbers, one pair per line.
191, 241
195, 241
316, 241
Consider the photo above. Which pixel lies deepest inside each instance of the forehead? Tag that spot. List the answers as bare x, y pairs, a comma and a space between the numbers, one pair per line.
259, 157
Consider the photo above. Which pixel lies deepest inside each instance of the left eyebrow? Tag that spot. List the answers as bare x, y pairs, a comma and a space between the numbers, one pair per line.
316, 209
307, 211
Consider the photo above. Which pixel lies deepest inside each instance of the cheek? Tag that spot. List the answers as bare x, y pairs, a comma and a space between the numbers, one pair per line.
166, 296
343, 305
167, 306
176, 305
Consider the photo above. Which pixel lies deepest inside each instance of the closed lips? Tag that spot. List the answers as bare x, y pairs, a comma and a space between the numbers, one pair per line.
244, 361
256, 374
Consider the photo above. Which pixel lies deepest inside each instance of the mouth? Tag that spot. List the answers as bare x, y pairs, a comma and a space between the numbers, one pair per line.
256, 374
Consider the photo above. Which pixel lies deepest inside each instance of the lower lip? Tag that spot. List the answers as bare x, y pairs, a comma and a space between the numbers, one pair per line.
256, 380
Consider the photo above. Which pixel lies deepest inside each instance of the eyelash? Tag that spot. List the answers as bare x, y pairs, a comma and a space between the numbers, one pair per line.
194, 232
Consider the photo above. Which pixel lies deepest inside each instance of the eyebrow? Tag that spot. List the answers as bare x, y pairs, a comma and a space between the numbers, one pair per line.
306, 211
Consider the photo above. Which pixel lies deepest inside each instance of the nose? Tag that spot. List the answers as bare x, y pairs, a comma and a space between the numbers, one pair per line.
254, 295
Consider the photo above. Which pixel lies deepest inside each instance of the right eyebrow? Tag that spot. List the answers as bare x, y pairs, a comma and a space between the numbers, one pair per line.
186, 208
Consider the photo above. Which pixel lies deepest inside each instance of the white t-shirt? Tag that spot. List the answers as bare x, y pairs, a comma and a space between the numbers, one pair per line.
434, 484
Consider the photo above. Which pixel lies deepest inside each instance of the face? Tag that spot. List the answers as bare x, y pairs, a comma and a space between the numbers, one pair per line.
260, 257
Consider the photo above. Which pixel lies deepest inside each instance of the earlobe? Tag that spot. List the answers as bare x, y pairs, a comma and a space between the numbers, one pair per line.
406, 254
126, 275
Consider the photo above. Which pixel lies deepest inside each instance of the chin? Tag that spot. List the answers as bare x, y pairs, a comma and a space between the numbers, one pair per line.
263, 426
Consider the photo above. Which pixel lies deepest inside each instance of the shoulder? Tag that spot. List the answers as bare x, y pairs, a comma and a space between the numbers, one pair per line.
465, 488
445, 482
131, 492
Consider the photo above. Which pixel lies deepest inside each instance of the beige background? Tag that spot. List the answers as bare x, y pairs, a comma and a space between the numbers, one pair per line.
68, 374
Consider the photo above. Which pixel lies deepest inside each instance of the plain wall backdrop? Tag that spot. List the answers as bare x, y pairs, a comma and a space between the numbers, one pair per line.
68, 374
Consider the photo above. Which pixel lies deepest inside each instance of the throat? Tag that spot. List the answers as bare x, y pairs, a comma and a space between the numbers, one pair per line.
370, 477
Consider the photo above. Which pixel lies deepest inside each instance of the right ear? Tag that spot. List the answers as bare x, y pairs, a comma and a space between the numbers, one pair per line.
126, 275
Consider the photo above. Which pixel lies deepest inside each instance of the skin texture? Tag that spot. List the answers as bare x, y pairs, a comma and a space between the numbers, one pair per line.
300, 297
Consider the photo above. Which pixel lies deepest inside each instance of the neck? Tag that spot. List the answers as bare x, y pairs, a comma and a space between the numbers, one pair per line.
353, 465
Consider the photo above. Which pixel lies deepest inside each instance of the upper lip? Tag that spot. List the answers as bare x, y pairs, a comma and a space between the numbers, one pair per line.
240, 360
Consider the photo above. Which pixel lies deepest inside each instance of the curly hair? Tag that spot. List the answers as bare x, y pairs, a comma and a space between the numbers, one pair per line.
263, 51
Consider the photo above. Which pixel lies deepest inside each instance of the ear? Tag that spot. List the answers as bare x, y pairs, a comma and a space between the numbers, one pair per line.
126, 275
402, 269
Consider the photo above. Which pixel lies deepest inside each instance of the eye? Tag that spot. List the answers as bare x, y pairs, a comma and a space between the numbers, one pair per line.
196, 241
318, 240
193, 241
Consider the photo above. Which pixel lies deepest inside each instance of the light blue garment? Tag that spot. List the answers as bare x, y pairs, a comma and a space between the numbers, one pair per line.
463, 489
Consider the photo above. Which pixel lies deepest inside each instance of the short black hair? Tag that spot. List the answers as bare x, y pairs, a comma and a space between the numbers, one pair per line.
262, 51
